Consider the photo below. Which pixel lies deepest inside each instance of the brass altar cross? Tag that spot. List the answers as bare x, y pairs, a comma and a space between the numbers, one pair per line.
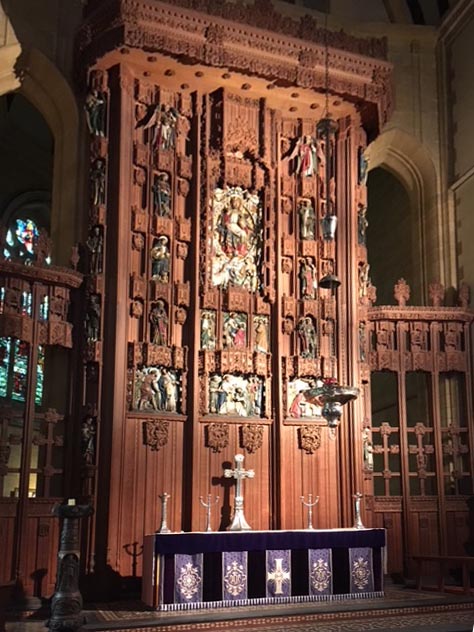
278, 576
238, 522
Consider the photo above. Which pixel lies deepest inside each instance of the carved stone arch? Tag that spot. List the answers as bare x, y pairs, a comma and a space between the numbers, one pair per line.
39, 81
402, 155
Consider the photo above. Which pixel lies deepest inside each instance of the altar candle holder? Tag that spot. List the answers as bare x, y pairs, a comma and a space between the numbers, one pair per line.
310, 503
164, 513
357, 520
208, 507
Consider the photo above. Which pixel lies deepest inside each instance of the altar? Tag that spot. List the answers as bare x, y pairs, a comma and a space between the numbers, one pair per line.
221, 569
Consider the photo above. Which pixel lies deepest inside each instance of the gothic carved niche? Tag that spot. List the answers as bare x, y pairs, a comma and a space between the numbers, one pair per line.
251, 437
309, 438
155, 433
217, 436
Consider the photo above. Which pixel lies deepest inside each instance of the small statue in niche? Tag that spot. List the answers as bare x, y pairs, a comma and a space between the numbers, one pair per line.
363, 167
214, 390
95, 244
88, 434
162, 195
160, 260
362, 341
97, 177
305, 154
208, 330
307, 219
93, 318
261, 333
368, 451
362, 224
308, 279
166, 129
95, 108
364, 279
159, 324
307, 335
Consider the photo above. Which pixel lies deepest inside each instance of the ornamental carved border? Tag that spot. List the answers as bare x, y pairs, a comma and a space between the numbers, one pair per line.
278, 49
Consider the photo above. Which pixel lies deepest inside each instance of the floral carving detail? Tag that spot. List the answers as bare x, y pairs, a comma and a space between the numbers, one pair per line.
180, 315
401, 292
155, 433
217, 436
251, 437
309, 438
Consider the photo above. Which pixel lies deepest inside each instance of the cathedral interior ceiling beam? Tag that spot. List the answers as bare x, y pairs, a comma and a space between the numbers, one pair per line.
358, 71
397, 11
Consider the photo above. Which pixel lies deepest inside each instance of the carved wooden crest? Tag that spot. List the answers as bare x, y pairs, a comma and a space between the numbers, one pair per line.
155, 433
217, 436
309, 438
251, 437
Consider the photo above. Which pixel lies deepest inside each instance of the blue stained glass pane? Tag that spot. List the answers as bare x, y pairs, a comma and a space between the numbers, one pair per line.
9, 239
5, 349
39, 376
26, 233
20, 370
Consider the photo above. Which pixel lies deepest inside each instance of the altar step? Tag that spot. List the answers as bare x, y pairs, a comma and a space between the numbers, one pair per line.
401, 609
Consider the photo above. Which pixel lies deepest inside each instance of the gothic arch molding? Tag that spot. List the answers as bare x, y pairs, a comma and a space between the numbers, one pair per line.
409, 161
38, 80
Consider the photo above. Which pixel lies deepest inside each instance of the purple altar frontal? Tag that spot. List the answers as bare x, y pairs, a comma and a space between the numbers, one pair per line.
184, 571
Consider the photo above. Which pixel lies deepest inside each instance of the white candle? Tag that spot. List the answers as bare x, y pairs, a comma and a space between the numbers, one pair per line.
71, 502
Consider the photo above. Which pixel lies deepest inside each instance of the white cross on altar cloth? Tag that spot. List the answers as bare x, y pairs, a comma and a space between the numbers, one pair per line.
278, 575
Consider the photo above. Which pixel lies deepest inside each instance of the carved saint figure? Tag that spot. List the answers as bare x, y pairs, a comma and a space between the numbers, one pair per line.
305, 154
160, 260
362, 224
364, 279
166, 129
159, 324
95, 108
97, 177
299, 404
88, 433
148, 389
363, 168
93, 318
308, 278
95, 244
307, 335
260, 324
208, 330
368, 451
162, 195
307, 219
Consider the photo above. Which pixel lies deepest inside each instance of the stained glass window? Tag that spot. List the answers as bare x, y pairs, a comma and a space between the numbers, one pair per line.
21, 237
14, 370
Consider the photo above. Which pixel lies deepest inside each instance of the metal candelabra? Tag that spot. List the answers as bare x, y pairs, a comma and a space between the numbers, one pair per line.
310, 504
208, 507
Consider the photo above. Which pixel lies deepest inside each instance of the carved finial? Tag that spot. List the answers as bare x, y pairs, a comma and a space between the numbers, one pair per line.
43, 247
436, 292
464, 295
401, 292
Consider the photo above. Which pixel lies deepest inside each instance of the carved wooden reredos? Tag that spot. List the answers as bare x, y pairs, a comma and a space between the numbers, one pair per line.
207, 189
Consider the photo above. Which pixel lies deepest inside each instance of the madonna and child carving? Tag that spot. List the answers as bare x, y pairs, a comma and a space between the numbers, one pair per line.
162, 120
208, 330
160, 260
307, 218
235, 395
159, 323
161, 190
157, 388
234, 335
236, 239
300, 404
